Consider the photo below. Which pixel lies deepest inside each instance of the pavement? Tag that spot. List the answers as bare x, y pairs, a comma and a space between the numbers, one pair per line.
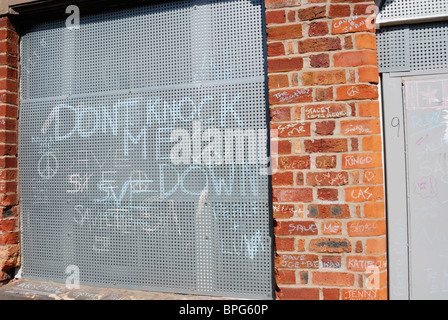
24, 289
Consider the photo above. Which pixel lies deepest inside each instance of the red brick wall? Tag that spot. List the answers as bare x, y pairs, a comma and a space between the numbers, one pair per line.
329, 219
328, 188
9, 221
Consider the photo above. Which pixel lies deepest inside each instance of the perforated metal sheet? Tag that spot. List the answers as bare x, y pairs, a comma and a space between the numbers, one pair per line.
419, 48
402, 10
98, 185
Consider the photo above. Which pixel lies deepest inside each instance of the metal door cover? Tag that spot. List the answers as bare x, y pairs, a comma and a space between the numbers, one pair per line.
104, 108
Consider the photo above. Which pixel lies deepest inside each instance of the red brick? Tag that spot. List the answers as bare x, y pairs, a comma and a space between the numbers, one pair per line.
297, 293
288, 96
9, 263
361, 160
352, 24
299, 179
8, 225
361, 127
284, 244
325, 128
9, 238
330, 245
369, 109
374, 176
6, 23
356, 92
292, 227
8, 137
361, 263
9, 97
325, 211
331, 294
291, 15
368, 74
319, 45
330, 178
364, 193
320, 60
333, 278
363, 294
280, 114
339, 11
365, 228
294, 129
277, 16
7, 46
285, 276
8, 162
326, 145
323, 94
9, 85
275, 4
292, 195
8, 149
10, 251
374, 210
9, 35
8, 187
8, 111
355, 58
312, 13
372, 143
348, 43
9, 73
7, 59
8, 199
325, 162
326, 111
361, 9
276, 81
285, 64
365, 41
283, 211
8, 174
297, 261
283, 146
376, 246
9, 212
283, 179
332, 227
275, 49
318, 29
294, 162
327, 194
323, 77
284, 32
8, 124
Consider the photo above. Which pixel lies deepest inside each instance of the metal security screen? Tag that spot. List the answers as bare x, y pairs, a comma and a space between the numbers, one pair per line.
416, 49
404, 10
143, 154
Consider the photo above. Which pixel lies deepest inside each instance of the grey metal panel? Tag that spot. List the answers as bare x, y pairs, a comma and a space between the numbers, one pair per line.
99, 189
426, 106
396, 188
393, 44
402, 10
414, 49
